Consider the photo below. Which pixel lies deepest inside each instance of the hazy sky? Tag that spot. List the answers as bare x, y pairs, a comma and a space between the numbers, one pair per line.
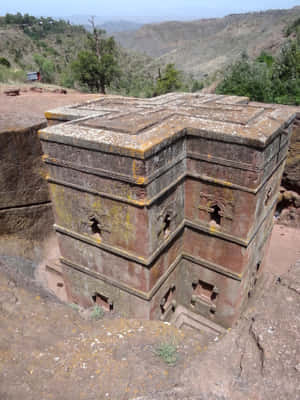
153, 8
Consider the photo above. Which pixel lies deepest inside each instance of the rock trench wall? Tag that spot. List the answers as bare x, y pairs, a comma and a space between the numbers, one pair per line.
25, 210
288, 209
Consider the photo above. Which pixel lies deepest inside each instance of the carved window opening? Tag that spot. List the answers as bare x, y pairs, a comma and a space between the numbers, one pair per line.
205, 292
256, 274
268, 196
254, 278
103, 302
166, 226
258, 266
213, 296
215, 216
167, 300
95, 227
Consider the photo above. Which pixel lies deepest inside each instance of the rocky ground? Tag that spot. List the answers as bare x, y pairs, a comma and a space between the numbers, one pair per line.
50, 350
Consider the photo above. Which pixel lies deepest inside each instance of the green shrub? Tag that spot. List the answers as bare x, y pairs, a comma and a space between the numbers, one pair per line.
46, 68
8, 75
247, 78
4, 62
19, 75
4, 74
266, 79
74, 306
97, 312
196, 86
167, 352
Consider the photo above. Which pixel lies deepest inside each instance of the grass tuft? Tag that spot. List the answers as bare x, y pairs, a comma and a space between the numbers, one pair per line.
97, 312
168, 353
74, 306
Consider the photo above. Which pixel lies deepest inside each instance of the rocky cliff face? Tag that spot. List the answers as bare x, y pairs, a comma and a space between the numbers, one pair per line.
288, 209
25, 209
291, 176
204, 46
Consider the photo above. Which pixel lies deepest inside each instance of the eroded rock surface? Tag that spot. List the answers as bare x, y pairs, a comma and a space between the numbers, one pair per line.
48, 351
291, 176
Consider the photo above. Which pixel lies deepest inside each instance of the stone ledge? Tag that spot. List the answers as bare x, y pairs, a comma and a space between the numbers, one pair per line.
150, 294
257, 128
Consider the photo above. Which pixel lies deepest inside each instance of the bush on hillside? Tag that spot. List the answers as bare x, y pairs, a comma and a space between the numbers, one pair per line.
4, 62
46, 68
8, 75
266, 79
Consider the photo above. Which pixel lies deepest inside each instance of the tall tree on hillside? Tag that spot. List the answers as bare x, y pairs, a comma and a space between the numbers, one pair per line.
97, 66
168, 81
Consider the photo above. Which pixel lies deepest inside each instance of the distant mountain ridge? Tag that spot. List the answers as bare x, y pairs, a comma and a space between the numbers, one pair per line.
204, 46
120, 26
100, 20
115, 27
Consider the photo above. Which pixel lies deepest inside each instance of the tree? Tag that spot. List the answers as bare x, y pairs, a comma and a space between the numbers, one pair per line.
246, 78
196, 86
169, 81
266, 79
286, 74
266, 58
97, 66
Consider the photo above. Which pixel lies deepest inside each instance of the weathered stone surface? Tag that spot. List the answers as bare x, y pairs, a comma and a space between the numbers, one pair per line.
22, 174
26, 216
291, 175
167, 201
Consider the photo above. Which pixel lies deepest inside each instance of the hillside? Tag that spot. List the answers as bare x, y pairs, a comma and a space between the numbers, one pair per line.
204, 46
50, 46
58, 44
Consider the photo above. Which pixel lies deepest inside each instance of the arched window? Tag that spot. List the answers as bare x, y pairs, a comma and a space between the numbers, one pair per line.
215, 215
